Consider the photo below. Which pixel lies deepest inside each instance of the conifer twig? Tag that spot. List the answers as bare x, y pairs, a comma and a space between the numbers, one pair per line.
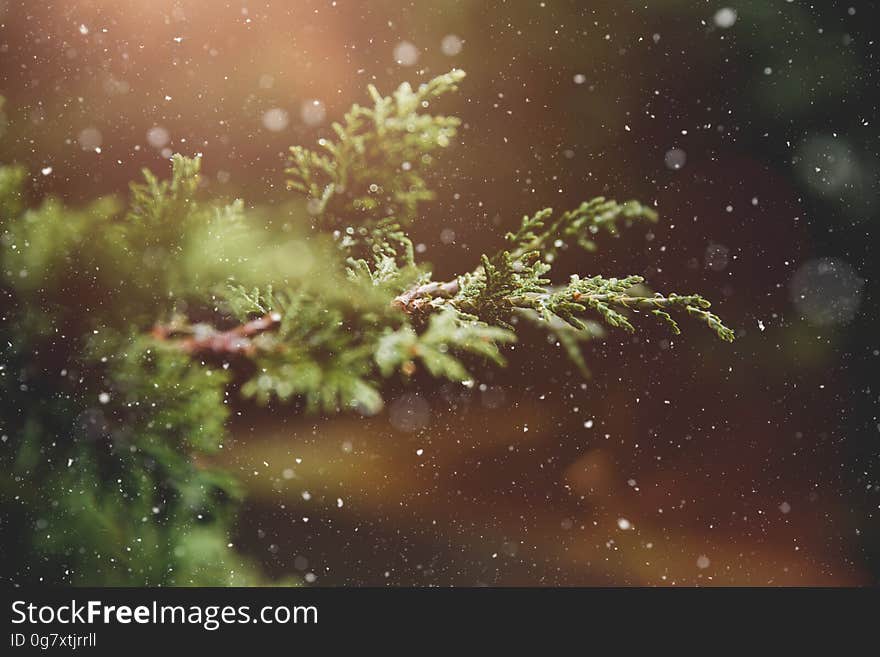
205, 339
414, 298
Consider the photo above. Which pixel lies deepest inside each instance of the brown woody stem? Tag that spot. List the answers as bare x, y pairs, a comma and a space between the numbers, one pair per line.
205, 339
415, 298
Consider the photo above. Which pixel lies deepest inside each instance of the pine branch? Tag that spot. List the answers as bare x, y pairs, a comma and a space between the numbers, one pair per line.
542, 233
415, 298
325, 320
370, 181
205, 339
608, 297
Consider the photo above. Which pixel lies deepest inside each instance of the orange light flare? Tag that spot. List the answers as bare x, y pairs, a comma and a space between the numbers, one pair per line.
204, 71
574, 520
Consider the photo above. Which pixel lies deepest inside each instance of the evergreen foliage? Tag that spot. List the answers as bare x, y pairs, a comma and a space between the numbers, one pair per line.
112, 391
101, 423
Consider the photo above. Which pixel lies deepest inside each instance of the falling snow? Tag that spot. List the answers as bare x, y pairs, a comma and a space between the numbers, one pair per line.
659, 458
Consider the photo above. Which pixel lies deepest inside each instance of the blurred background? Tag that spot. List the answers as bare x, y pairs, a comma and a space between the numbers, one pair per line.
753, 127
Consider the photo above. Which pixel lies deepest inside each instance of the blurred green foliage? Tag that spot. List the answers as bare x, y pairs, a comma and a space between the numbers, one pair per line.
101, 423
